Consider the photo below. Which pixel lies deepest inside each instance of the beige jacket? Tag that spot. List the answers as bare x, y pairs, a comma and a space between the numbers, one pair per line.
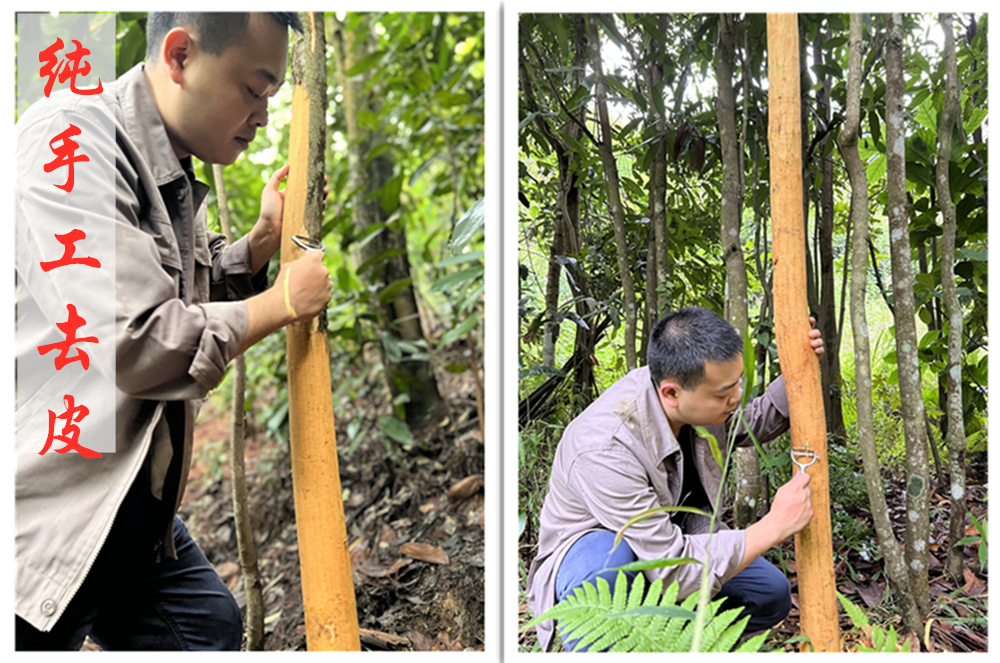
619, 458
172, 344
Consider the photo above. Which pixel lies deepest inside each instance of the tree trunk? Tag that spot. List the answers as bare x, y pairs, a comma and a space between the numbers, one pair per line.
614, 198
827, 323
241, 510
953, 309
799, 364
400, 311
907, 361
895, 564
747, 464
327, 585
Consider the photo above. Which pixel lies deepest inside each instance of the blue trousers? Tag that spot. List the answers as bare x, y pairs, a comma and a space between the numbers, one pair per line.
131, 602
760, 589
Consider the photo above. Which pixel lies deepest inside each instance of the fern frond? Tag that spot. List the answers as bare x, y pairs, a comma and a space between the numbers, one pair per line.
636, 619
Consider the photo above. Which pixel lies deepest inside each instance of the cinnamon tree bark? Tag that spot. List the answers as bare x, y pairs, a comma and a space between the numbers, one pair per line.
904, 313
327, 583
241, 511
614, 198
895, 564
953, 308
799, 364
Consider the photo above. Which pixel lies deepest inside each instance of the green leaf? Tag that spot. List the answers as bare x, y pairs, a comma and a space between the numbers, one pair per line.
460, 331
468, 225
456, 279
395, 429
389, 195
713, 444
365, 63
391, 291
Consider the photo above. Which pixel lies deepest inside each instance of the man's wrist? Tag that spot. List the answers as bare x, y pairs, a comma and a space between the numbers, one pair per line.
263, 245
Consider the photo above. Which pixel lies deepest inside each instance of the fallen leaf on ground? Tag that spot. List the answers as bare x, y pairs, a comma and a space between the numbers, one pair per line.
425, 553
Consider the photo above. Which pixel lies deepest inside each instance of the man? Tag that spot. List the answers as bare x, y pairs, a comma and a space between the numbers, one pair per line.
99, 549
635, 448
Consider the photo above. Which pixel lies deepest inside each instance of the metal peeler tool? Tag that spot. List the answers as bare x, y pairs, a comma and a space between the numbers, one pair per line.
307, 243
808, 453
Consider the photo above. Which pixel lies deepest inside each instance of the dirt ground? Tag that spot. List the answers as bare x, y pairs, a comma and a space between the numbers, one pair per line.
415, 522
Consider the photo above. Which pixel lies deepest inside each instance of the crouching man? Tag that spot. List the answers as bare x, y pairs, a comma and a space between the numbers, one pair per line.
635, 448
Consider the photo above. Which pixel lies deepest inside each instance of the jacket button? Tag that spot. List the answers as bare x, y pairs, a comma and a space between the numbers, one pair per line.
48, 607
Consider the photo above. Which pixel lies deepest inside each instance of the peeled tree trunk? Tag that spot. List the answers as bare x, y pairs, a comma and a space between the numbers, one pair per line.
907, 360
953, 308
895, 564
614, 197
799, 364
327, 584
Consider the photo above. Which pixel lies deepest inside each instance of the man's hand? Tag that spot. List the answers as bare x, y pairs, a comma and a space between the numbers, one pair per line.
791, 512
792, 508
815, 339
265, 236
307, 284
300, 292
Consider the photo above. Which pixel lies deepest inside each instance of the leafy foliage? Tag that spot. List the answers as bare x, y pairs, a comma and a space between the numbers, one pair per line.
636, 620
882, 640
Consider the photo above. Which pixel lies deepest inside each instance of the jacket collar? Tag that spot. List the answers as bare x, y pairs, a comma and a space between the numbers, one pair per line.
144, 126
656, 432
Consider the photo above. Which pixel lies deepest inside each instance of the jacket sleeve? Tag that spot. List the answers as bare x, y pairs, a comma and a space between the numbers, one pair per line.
165, 349
231, 265
613, 488
766, 416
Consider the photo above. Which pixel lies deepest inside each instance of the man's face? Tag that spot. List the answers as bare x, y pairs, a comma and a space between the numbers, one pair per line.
715, 398
224, 97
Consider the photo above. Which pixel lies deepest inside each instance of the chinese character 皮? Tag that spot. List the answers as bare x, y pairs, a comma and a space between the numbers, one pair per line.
69, 241
69, 328
65, 155
70, 433
72, 70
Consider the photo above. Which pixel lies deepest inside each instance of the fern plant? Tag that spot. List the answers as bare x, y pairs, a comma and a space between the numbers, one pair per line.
635, 620
882, 640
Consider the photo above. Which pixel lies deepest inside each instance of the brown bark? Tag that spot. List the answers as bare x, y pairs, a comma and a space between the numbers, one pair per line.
614, 199
241, 511
907, 361
827, 323
799, 364
953, 309
895, 564
327, 585
401, 313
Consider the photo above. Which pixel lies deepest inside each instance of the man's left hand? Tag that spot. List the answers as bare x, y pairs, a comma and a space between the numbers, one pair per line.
815, 339
265, 236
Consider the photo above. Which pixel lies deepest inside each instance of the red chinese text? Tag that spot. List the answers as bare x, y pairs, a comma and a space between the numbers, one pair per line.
65, 155
69, 328
70, 433
75, 66
69, 241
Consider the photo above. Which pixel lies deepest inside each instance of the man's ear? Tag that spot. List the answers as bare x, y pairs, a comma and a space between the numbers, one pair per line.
669, 391
178, 46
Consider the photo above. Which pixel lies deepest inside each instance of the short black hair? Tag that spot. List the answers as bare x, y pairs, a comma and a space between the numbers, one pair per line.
216, 31
683, 341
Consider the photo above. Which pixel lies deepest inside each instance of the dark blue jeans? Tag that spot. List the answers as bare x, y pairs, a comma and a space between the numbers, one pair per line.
131, 602
760, 589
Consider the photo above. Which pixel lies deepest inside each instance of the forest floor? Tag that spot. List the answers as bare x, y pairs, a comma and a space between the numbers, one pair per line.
958, 619
415, 522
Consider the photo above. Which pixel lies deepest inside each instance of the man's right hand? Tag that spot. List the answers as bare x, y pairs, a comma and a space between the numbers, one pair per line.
789, 514
307, 284
792, 507
300, 292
